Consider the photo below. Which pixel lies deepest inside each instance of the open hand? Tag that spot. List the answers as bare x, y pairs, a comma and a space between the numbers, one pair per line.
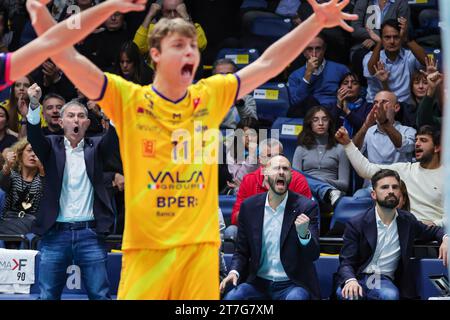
330, 14
380, 72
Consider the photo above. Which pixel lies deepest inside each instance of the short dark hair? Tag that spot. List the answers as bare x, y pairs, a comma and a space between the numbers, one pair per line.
249, 122
224, 61
322, 36
391, 23
432, 131
349, 74
383, 173
53, 95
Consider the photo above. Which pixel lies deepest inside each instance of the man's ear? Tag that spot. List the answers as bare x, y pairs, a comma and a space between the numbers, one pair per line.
397, 107
155, 55
437, 149
373, 195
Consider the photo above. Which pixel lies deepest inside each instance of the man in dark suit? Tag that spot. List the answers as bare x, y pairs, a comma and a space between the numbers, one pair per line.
375, 259
75, 211
277, 243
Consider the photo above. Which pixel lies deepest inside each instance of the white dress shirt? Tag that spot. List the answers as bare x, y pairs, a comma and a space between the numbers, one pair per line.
387, 253
76, 201
271, 267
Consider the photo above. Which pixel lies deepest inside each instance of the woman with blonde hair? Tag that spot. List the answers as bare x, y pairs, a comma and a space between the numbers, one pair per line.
21, 178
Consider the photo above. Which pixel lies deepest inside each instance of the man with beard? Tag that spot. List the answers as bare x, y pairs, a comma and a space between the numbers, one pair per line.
375, 259
278, 241
424, 178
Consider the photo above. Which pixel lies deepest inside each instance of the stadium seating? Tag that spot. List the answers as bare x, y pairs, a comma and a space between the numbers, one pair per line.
436, 53
254, 4
272, 102
266, 30
240, 56
288, 130
226, 205
425, 269
348, 207
423, 4
326, 266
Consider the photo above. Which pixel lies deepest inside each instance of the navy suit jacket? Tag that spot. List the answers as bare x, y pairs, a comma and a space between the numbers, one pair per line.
51, 152
360, 240
297, 260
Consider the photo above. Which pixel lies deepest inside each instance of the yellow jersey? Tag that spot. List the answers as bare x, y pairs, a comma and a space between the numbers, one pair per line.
170, 151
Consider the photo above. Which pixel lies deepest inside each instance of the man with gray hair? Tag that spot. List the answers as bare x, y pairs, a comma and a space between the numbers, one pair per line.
75, 213
255, 182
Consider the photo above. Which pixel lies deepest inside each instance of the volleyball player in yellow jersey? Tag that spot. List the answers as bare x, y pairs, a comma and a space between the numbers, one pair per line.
171, 236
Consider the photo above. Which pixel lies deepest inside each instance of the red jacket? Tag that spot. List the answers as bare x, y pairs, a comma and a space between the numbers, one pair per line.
252, 184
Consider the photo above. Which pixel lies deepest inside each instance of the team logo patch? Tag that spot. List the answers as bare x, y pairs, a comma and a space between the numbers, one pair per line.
148, 148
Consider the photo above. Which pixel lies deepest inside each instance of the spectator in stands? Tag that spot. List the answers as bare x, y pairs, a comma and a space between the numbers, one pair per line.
383, 139
62, 11
106, 44
168, 9
6, 139
408, 111
243, 108
241, 153
317, 82
320, 159
375, 260
130, 66
76, 213
21, 178
403, 201
419, 86
424, 178
17, 103
371, 15
338, 39
255, 182
429, 111
278, 241
391, 68
5, 34
352, 107
52, 105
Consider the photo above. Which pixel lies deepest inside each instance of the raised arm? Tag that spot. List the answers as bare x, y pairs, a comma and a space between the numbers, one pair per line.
285, 50
363, 167
63, 36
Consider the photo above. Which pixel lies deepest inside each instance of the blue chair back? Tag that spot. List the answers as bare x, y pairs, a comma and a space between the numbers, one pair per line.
349, 207
226, 205
254, 4
240, 56
272, 28
287, 130
272, 101
425, 269
326, 266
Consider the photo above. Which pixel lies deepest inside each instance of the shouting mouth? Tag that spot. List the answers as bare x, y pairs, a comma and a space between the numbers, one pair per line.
187, 70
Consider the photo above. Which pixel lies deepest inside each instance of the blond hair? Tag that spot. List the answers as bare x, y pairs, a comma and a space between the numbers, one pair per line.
165, 27
18, 148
